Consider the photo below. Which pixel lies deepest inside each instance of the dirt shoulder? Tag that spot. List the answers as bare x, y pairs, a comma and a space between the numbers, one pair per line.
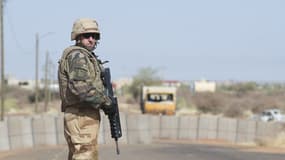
245, 147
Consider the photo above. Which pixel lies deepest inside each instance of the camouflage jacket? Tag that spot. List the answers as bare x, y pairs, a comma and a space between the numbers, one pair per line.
79, 77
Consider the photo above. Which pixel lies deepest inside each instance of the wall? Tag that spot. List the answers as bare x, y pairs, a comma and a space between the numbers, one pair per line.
204, 86
32, 131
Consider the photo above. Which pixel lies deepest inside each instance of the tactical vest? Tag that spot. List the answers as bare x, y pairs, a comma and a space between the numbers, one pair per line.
67, 97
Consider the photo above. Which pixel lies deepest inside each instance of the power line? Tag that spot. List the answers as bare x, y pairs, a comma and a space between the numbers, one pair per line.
14, 35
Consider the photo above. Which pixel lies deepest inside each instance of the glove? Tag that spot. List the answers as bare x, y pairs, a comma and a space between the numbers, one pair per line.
98, 101
108, 106
107, 101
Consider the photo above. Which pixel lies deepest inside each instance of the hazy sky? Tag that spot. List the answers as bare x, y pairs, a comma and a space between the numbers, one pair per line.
183, 39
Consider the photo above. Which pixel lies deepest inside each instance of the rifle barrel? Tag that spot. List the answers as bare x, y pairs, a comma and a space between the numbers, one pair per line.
117, 147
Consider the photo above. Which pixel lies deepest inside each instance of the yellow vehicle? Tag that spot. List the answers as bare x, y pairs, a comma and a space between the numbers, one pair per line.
158, 100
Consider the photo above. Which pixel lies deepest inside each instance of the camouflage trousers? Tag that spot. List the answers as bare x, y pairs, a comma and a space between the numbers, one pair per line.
81, 127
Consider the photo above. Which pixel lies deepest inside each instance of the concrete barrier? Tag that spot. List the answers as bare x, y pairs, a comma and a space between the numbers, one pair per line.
246, 131
4, 137
155, 126
20, 132
207, 127
187, 128
267, 129
169, 127
101, 136
138, 129
44, 130
25, 132
227, 129
60, 139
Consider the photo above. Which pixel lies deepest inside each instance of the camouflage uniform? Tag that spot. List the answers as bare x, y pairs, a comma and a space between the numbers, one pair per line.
82, 94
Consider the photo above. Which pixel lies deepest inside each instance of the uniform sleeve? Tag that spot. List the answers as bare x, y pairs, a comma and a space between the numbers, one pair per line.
80, 82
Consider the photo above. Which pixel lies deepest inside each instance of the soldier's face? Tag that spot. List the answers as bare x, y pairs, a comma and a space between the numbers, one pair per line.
88, 41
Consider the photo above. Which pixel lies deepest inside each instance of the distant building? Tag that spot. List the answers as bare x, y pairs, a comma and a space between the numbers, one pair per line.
172, 83
27, 84
204, 86
119, 83
30, 84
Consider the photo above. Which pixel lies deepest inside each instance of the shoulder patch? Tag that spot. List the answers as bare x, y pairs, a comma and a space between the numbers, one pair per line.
78, 66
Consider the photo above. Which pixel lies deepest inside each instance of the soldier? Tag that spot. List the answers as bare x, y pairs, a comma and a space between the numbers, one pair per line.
82, 91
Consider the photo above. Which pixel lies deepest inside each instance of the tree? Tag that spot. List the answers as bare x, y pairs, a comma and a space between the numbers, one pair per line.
145, 76
184, 96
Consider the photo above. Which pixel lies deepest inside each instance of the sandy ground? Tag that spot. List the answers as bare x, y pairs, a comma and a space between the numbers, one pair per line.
244, 147
220, 143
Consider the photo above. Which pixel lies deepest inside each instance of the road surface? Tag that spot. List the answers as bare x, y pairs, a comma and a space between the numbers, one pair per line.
156, 151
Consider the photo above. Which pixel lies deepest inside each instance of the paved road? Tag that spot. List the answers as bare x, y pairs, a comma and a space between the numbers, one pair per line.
157, 151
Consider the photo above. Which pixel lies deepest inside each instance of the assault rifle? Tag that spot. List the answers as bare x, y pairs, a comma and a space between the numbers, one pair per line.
113, 114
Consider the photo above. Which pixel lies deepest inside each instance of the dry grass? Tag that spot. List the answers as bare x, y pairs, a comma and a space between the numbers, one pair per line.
17, 102
239, 102
278, 141
235, 105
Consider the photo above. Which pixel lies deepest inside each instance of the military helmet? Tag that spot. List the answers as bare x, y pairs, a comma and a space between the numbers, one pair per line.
84, 25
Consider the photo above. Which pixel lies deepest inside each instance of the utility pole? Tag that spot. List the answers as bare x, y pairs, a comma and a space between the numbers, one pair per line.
37, 73
51, 78
2, 60
47, 97
37, 69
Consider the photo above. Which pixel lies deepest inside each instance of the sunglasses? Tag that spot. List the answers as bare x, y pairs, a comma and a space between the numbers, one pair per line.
93, 35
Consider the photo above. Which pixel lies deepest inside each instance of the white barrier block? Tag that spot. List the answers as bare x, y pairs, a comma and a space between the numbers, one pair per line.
20, 132
207, 127
44, 130
227, 129
155, 126
187, 127
60, 139
169, 127
138, 129
246, 130
101, 136
4, 140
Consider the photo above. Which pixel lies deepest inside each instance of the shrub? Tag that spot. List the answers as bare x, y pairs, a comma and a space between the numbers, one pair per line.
209, 102
234, 110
